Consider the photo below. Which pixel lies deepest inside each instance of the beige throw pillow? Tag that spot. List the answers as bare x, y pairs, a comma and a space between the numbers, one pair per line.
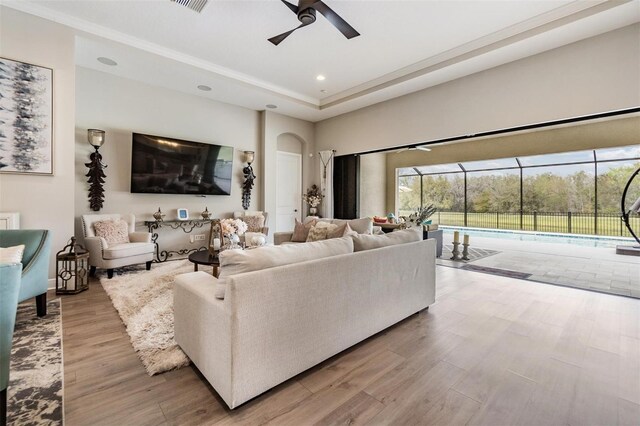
11, 254
367, 242
254, 223
301, 231
320, 231
361, 226
113, 231
234, 262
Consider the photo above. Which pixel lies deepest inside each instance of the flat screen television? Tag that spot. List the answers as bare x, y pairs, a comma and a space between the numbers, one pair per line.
162, 165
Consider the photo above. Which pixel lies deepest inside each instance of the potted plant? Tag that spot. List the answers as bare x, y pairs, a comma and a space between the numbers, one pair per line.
313, 198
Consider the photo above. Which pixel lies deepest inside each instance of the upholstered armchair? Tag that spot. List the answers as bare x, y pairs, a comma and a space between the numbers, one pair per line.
107, 256
9, 289
264, 230
35, 263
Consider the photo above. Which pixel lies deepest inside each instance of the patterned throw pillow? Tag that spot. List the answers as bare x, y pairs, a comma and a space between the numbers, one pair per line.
254, 223
113, 231
301, 231
320, 231
11, 254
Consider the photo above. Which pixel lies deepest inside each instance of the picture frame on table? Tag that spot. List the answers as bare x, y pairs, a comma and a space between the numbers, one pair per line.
26, 118
183, 214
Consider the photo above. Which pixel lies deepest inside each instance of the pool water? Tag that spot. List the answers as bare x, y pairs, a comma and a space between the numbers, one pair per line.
581, 240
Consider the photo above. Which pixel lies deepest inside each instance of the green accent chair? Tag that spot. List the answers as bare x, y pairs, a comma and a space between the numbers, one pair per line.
9, 289
35, 263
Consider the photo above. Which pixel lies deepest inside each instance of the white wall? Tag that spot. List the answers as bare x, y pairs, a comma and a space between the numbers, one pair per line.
591, 76
373, 188
121, 106
44, 202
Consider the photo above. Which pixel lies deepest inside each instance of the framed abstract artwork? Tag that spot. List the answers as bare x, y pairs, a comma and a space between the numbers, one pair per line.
26, 118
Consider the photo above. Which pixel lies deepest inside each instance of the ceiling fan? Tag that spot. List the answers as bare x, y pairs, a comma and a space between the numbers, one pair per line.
306, 11
414, 148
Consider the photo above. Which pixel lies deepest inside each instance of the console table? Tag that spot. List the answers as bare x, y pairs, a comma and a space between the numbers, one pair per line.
187, 226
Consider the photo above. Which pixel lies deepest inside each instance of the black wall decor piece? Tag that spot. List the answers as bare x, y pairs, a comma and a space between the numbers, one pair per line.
96, 170
249, 177
346, 177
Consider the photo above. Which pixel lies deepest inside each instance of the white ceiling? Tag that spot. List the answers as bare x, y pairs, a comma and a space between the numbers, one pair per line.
405, 45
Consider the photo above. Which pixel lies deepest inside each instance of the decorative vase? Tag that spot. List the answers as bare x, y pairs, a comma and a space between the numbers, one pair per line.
206, 214
231, 242
313, 211
158, 215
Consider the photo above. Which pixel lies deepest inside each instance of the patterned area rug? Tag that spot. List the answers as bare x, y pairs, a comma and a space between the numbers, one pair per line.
144, 300
35, 386
474, 254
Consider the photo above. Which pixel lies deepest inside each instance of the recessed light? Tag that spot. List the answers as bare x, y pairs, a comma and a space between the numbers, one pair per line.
204, 88
320, 77
107, 61
271, 106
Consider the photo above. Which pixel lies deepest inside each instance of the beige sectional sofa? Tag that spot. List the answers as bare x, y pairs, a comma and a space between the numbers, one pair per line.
278, 321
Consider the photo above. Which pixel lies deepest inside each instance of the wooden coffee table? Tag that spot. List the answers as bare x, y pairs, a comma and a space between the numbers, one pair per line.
203, 257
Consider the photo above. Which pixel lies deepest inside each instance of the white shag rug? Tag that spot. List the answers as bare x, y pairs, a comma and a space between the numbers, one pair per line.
144, 300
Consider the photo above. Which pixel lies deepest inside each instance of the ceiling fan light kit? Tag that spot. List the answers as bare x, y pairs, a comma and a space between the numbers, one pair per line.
306, 12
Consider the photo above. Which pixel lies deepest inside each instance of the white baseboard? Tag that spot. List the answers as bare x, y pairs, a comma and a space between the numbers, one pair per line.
51, 284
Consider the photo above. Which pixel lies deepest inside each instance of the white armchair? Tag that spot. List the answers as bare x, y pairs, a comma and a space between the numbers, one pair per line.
140, 249
263, 231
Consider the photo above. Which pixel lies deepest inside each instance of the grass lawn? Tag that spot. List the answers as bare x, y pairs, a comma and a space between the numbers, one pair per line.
609, 225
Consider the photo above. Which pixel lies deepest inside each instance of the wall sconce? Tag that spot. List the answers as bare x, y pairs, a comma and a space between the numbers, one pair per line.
249, 177
96, 170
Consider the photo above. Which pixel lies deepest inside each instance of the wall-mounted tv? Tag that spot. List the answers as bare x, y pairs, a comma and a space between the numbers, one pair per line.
162, 165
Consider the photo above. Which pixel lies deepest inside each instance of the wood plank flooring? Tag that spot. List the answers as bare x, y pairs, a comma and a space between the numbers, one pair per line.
491, 350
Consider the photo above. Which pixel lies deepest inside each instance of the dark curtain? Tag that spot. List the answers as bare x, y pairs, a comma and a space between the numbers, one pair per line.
346, 184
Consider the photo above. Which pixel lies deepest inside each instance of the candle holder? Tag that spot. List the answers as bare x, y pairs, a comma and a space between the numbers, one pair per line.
455, 252
465, 251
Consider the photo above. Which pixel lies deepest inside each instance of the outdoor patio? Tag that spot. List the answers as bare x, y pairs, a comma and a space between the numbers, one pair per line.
590, 268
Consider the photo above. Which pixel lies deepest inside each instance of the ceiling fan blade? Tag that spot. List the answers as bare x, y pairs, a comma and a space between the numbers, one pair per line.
347, 30
402, 150
293, 7
422, 148
279, 38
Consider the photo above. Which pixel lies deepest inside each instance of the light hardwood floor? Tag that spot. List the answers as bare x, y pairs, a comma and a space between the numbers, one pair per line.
491, 350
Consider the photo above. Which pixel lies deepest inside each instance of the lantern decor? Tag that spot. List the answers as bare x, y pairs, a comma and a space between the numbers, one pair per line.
72, 269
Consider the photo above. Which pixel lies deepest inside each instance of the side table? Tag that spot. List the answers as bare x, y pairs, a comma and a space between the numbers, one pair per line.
203, 257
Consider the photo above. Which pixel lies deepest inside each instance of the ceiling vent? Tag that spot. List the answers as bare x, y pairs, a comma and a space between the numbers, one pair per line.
196, 5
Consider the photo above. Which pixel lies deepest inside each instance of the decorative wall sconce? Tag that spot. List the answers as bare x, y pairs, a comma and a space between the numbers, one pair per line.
96, 170
249, 177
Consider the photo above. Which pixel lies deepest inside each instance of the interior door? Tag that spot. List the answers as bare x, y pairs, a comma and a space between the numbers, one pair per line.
289, 190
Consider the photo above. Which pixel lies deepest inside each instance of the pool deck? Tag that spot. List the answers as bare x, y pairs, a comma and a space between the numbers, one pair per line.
592, 268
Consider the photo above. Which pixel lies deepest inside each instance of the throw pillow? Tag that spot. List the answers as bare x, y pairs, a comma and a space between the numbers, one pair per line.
113, 231
254, 223
320, 231
367, 242
11, 254
361, 226
338, 232
234, 262
301, 231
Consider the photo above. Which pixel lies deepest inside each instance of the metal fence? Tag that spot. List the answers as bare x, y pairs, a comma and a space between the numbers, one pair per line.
563, 222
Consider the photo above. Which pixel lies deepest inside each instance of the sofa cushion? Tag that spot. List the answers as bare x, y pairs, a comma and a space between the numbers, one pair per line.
301, 231
119, 251
367, 242
234, 262
113, 231
11, 254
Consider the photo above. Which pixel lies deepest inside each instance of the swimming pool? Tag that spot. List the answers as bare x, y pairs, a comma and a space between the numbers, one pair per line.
582, 240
